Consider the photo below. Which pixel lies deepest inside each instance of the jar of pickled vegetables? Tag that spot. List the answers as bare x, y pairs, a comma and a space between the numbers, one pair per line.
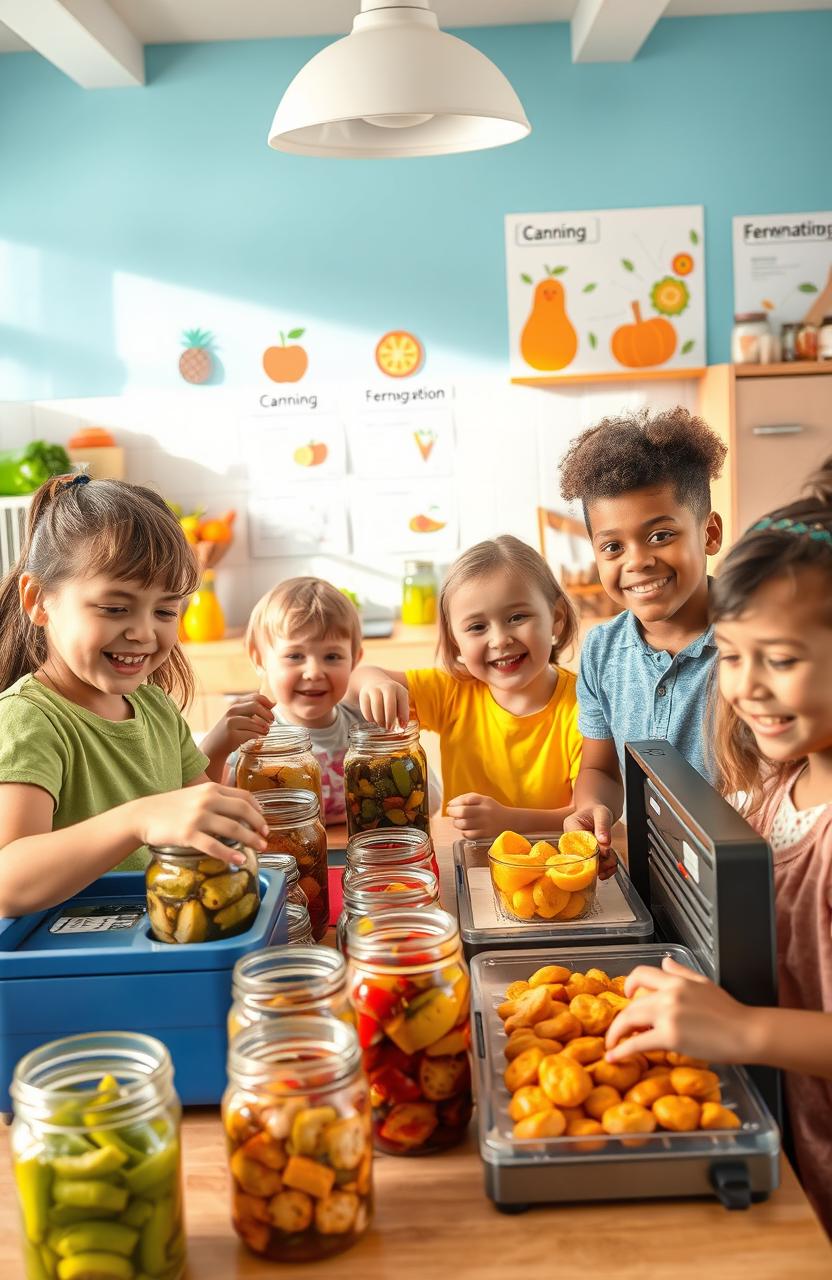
410, 991
385, 850
281, 981
295, 827
419, 594
297, 1118
370, 892
299, 926
283, 758
194, 898
288, 865
95, 1146
385, 778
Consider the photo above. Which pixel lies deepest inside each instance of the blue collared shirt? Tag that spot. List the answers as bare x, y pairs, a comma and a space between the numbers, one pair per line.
628, 691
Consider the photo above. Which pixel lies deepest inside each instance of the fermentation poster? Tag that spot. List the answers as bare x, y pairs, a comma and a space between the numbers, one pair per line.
783, 265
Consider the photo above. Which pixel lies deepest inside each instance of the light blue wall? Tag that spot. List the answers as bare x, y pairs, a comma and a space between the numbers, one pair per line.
174, 183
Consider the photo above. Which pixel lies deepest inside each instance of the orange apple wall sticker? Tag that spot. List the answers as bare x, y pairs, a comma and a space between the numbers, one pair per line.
312, 454
399, 354
643, 343
286, 363
425, 524
548, 341
196, 363
425, 440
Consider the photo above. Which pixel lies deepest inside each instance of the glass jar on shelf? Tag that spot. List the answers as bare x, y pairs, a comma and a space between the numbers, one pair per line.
386, 779
96, 1155
750, 327
419, 594
788, 339
280, 982
299, 926
806, 341
390, 851
297, 1120
825, 339
194, 898
282, 759
410, 991
288, 865
371, 892
294, 821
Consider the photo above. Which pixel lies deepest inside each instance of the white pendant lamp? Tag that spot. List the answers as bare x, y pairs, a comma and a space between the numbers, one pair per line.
397, 86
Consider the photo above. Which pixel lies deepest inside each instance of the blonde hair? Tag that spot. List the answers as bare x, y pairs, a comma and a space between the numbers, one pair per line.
308, 608
508, 553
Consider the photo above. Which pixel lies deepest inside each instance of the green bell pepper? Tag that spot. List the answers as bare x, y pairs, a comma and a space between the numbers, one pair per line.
24, 470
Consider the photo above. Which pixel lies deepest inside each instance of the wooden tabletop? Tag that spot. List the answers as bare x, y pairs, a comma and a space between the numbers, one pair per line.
433, 1219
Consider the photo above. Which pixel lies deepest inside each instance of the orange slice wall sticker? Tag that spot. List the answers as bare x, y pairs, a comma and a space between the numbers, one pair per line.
548, 341
399, 354
425, 440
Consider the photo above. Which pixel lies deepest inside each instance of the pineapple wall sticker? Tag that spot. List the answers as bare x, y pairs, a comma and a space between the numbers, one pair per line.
196, 363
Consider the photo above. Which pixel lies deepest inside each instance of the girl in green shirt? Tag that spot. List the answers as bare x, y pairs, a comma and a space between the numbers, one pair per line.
96, 761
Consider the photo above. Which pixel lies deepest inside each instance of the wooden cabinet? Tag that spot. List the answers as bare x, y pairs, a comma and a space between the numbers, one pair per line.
777, 423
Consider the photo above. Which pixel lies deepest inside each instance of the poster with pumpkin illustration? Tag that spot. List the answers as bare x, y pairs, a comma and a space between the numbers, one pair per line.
605, 291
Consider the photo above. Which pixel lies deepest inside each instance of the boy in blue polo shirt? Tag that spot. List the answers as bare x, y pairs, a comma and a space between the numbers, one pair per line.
644, 483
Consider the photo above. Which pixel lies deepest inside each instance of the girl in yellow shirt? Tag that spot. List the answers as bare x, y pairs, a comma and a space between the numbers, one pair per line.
505, 712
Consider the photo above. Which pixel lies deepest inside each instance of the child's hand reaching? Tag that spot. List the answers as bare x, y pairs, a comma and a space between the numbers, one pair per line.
385, 702
685, 1012
250, 717
199, 817
477, 816
599, 821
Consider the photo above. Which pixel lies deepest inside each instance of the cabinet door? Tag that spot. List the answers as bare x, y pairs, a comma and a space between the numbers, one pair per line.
784, 431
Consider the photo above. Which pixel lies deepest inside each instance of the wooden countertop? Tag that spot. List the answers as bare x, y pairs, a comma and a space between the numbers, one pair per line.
432, 1217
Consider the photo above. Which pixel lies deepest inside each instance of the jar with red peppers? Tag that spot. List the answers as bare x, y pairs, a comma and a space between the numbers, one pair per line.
371, 892
295, 827
385, 779
386, 850
409, 988
282, 759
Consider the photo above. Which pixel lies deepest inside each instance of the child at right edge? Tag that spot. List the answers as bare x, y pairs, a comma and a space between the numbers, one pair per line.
644, 483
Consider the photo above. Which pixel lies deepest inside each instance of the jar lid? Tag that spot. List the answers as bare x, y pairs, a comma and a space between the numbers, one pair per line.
791, 324
288, 806
413, 566
282, 739
186, 853
827, 320
747, 317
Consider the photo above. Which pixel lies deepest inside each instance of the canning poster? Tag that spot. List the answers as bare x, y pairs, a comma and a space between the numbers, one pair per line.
783, 266
606, 291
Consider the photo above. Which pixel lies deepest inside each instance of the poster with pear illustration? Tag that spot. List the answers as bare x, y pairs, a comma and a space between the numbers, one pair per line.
605, 292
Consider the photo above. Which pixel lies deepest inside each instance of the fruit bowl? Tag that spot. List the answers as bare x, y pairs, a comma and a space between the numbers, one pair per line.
548, 880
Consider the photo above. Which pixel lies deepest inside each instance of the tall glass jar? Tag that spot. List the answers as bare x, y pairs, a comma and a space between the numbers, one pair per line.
419, 594
281, 981
410, 990
297, 1118
194, 898
289, 866
295, 827
385, 850
299, 926
283, 758
385, 779
95, 1146
370, 892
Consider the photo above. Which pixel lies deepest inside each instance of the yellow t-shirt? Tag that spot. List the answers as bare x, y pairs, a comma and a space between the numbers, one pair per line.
527, 762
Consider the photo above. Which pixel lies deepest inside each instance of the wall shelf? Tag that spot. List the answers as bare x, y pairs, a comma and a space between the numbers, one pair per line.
626, 375
790, 370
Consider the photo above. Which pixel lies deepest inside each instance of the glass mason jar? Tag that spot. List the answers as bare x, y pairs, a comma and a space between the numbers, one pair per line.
295, 827
299, 926
409, 987
283, 758
419, 594
297, 1118
95, 1146
289, 866
194, 898
384, 850
385, 779
371, 892
281, 981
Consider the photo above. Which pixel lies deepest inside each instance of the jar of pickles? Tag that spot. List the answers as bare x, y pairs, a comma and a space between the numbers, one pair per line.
283, 758
419, 594
194, 898
410, 991
299, 926
371, 892
289, 866
95, 1146
385, 778
295, 827
281, 981
385, 850
297, 1118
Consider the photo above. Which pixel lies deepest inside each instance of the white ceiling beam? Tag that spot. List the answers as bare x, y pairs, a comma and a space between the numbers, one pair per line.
613, 30
83, 38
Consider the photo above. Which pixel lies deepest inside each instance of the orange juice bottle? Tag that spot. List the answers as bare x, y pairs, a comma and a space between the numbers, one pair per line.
203, 619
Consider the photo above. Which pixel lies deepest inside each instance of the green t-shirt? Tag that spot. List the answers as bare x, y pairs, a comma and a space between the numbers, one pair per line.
89, 764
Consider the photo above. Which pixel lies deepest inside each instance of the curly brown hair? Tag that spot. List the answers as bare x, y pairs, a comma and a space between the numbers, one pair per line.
641, 449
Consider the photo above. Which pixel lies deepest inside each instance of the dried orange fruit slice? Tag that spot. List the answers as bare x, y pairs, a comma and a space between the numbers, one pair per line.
399, 354
571, 873
579, 844
509, 842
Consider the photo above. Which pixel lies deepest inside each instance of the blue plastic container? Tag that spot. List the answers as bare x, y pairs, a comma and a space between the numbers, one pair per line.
92, 964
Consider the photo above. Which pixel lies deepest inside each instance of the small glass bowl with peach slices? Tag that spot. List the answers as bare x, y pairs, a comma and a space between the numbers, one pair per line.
550, 879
